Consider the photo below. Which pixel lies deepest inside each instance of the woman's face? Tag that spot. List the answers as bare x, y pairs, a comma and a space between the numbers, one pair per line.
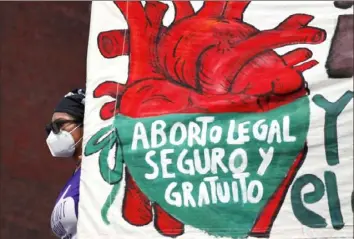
70, 127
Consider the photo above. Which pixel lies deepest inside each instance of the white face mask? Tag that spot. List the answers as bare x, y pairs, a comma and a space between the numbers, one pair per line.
61, 145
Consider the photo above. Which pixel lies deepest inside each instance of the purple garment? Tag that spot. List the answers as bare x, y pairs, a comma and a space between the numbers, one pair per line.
65, 213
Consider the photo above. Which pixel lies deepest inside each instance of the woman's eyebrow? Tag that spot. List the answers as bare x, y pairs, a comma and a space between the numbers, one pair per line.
61, 119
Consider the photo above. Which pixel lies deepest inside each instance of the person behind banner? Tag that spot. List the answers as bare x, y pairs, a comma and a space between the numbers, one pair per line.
65, 133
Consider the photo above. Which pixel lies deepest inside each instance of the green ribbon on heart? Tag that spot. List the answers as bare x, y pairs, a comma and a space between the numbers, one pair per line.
103, 145
212, 181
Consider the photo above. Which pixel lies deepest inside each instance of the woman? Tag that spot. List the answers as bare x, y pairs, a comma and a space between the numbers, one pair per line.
64, 140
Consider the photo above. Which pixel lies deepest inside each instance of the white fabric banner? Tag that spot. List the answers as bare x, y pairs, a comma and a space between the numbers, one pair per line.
218, 120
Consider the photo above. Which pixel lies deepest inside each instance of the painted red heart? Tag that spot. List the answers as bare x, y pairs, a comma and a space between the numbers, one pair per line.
210, 61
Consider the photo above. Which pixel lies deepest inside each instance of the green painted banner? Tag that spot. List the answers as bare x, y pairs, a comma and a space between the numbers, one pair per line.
211, 171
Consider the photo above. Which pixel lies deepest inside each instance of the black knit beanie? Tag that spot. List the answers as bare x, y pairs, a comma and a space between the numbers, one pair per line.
73, 104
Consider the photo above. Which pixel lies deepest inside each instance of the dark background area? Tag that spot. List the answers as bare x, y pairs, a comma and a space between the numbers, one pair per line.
43, 48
